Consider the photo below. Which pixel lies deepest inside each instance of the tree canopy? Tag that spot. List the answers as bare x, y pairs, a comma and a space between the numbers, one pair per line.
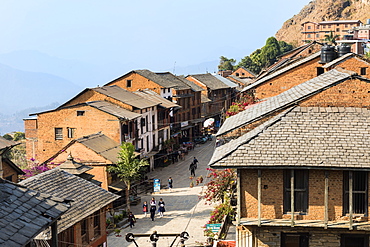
260, 58
331, 38
127, 167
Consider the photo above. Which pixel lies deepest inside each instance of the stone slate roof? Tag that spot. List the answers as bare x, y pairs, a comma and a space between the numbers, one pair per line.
226, 81
87, 197
4, 143
102, 145
327, 137
344, 58
282, 70
246, 81
180, 85
286, 99
191, 84
125, 96
160, 80
24, 213
73, 167
153, 96
210, 81
113, 109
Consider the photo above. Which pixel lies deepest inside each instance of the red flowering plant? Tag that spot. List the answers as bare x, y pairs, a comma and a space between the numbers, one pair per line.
241, 104
221, 182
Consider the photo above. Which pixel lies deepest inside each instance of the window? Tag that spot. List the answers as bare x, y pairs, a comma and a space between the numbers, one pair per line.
71, 132
359, 192
84, 232
363, 71
309, 27
294, 239
337, 30
354, 240
237, 74
323, 26
97, 223
320, 70
58, 133
308, 35
80, 113
153, 122
147, 143
169, 90
317, 35
329, 26
128, 83
300, 191
147, 126
9, 178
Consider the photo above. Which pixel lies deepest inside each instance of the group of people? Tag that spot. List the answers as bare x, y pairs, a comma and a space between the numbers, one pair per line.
152, 208
193, 166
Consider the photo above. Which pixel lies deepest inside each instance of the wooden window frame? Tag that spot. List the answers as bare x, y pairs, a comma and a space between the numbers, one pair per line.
301, 179
58, 134
356, 194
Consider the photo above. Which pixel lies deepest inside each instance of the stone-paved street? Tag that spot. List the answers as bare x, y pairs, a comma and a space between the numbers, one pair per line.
184, 210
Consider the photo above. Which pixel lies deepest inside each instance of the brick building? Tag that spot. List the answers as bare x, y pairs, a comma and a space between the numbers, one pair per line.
313, 31
307, 137
187, 120
220, 94
119, 114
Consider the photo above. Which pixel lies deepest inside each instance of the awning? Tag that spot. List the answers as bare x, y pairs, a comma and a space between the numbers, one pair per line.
150, 154
118, 186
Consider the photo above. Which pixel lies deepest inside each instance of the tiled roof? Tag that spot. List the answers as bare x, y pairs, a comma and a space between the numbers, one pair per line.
285, 99
191, 84
73, 167
4, 143
102, 145
113, 109
210, 81
87, 197
162, 81
344, 58
225, 81
125, 96
180, 85
153, 96
282, 70
327, 137
24, 213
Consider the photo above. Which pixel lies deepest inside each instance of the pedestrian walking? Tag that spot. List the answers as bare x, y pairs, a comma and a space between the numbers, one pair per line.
192, 169
131, 219
195, 162
153, 207
145, 208
170, 181
161, 208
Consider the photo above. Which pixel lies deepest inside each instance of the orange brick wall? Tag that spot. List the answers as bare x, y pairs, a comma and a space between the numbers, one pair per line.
138, 82
92, 122
350, 93
92, 95
355, 64
82, 154
288, 80
240, 72
272, 195
30, 128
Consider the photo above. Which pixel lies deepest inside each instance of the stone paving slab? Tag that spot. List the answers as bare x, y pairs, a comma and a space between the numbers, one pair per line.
184, 210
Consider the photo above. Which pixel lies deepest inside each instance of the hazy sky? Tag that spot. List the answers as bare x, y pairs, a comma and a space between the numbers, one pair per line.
143, 33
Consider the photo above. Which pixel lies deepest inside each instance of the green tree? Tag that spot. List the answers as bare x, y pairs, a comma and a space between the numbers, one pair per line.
127, 167
270, 52
226, 63
285, 47
19, 136
331, 38
8, 137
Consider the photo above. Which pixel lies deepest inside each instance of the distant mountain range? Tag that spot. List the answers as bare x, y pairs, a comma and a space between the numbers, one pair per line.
32, 82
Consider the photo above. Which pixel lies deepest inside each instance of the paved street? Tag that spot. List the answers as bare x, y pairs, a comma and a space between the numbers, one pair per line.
184, 210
